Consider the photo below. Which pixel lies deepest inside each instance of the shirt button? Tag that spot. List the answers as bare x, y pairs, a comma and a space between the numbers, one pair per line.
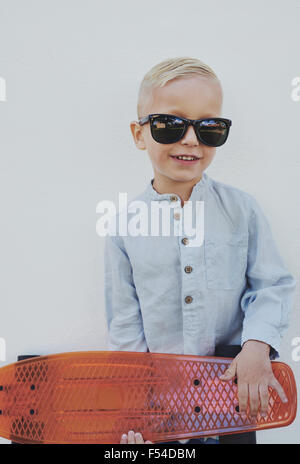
176, 215
173, 198
188, 299
185, 241
188, 269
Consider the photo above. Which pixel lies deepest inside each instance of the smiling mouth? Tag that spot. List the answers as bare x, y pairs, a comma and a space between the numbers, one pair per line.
186, 157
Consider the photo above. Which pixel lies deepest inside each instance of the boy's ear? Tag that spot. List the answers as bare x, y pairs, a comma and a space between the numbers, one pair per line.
138, 135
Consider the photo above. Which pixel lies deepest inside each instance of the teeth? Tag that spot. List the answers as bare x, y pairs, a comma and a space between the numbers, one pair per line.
186, 157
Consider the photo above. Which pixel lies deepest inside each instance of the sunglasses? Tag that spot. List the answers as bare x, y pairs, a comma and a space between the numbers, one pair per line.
167, 128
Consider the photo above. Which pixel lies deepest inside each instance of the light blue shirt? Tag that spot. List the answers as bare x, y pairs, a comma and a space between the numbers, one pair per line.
163, 295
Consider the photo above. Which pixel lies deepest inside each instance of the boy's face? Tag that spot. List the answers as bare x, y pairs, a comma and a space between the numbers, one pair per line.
194, 98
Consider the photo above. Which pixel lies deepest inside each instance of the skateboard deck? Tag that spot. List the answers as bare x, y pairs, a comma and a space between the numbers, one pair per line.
96, 396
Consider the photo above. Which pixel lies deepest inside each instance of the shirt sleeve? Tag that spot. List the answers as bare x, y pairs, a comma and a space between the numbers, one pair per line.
122, 308
268, 299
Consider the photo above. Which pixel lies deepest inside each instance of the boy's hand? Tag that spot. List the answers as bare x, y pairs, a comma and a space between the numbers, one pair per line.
253, 369
133, 439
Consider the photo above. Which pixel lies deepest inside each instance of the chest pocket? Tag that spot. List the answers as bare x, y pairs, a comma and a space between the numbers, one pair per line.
226, 262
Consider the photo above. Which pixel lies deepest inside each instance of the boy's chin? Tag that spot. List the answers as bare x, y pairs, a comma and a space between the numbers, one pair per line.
186, 176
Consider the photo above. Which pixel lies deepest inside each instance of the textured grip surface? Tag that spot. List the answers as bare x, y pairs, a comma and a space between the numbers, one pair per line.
95, 397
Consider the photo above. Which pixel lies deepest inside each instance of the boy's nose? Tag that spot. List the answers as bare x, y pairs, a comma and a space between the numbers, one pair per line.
191, 136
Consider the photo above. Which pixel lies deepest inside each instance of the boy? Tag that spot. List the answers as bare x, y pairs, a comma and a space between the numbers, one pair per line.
165, 293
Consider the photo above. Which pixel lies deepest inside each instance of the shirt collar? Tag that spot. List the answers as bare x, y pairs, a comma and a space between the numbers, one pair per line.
152, 194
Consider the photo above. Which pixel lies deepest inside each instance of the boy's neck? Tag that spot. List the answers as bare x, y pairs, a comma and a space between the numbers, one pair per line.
182, 189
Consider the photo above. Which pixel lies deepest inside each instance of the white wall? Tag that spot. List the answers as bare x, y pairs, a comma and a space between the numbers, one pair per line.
72, 70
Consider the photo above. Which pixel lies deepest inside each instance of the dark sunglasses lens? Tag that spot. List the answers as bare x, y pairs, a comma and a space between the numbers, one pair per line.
167, 129
213, 132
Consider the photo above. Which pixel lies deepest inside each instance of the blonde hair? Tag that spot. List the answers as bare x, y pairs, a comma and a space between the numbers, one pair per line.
167, 70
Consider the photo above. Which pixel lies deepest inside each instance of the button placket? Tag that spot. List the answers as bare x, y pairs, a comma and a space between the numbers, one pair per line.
188, 269
177, 210
177, 217
188, 298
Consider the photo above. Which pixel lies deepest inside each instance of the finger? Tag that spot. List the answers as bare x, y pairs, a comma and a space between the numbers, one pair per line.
139, 438
264, 399
275, 384
148, 441
123, 439
131, 437
253, 399
230, 372
243, 397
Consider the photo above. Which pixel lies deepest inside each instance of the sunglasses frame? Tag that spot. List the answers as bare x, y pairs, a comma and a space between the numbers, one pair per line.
188, 122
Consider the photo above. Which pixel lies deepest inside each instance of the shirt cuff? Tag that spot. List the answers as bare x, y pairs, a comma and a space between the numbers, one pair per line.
264, 333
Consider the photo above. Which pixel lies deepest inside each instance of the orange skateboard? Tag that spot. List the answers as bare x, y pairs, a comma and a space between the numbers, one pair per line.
96, 396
